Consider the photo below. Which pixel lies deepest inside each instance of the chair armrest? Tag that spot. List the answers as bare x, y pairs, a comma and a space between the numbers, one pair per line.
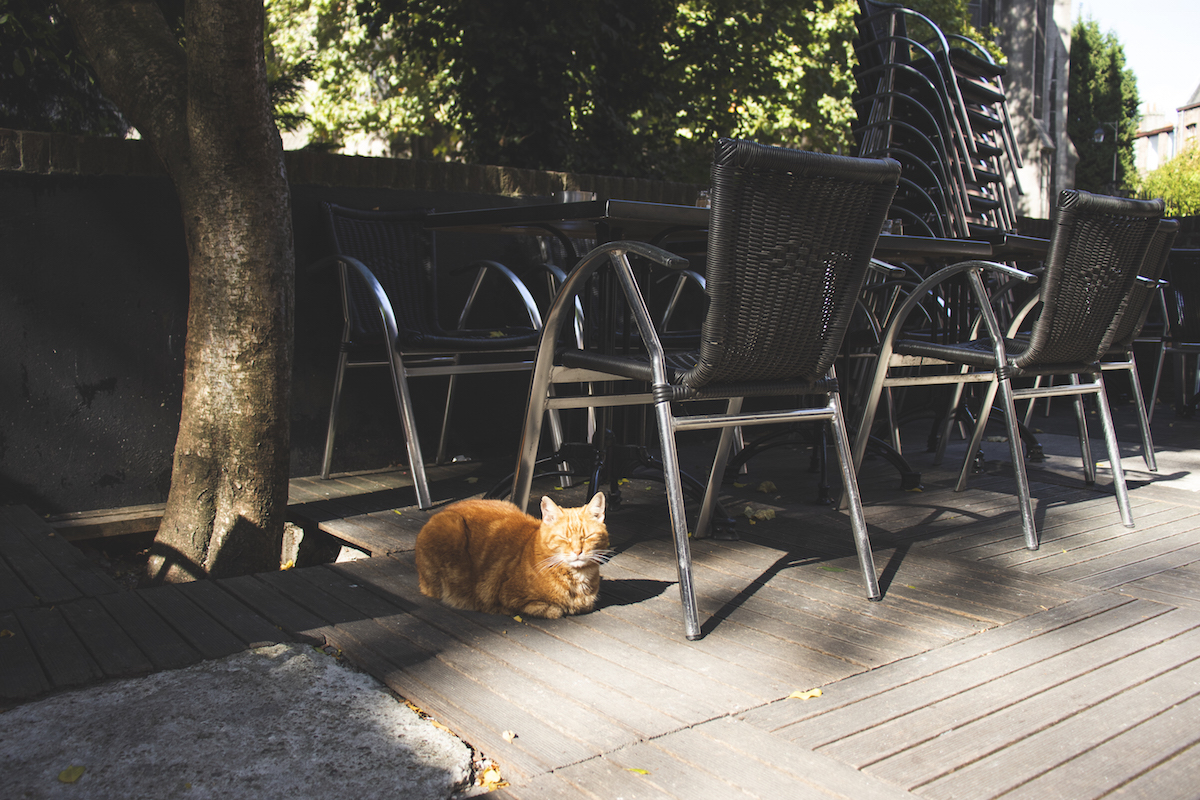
349, 266
924, 287
484, 267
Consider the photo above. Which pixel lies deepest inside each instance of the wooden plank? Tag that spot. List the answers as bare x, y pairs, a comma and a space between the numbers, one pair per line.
960, 744
539, 698
1074, 736
36, 571
1123, 573
761, 763
64, 658
21, 674
68, 559
887, 725
398, 578
165, 648
113, 649
469, 708
201, 631
78, 526
672, 776
612, 779
248, 626
992, 643
13, 593
279, 610
1176, 587
1130, 755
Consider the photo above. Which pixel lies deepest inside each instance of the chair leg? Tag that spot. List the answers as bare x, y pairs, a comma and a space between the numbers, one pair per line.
725, 444
1017, 451
416, 463
985, 411
331, 432
858, 523
1114, 454
1143, 418
683, 550
1085, 441
1162, 356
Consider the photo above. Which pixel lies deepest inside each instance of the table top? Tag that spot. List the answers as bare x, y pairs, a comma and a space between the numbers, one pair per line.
609, 220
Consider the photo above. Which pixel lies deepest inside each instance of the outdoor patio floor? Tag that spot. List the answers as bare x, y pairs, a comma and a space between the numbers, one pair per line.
987, 670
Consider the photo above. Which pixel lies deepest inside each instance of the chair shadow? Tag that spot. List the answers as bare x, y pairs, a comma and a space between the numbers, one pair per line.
628, 591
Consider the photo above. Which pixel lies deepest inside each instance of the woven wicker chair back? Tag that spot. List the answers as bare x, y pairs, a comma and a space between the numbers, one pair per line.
1097, 246
395, 246
790, 239
1141, 296
1183, 296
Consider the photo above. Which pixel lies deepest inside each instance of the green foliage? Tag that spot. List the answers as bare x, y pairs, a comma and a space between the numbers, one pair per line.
953, 17
1177, 182
619, 87
45, 84
1102, 95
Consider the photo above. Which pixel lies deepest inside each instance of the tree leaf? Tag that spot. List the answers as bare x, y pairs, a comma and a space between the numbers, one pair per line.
805, 695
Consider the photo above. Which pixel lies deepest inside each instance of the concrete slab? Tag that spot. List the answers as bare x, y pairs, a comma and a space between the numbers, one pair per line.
279, 721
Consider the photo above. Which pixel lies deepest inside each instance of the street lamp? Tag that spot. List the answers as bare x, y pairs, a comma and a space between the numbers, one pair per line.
1098, 136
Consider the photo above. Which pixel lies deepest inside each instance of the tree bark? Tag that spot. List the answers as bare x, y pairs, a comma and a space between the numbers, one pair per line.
205, 110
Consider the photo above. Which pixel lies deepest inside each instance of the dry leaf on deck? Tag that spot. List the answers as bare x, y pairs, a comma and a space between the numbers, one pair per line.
71, 774
809, 695
638, 771
509, 736
766, 487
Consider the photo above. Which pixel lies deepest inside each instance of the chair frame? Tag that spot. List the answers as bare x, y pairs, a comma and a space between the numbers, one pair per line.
1142, 219
629, 375
405, 363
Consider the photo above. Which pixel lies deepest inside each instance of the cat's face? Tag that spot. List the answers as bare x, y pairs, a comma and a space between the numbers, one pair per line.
575, 537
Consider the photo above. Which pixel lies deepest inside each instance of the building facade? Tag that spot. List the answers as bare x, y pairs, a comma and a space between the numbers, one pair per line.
1160, 137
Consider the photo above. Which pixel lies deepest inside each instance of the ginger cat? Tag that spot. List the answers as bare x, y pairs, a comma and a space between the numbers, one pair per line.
488, 555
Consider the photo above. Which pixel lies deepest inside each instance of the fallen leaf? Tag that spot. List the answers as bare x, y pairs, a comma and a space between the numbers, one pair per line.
397, 512
833, 569
909, 586
637, 771
917, 489
472, 479
496, 334
491, 779
71, 774
739, 486
808, 695
4, 634
766, 487
288, 564
517, 617
509, 736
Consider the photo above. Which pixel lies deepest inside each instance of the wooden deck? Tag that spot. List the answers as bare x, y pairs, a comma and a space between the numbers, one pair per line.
987, 669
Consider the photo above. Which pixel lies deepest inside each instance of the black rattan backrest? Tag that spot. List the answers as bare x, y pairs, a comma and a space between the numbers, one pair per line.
1097, 245
790, 237
1183, 296
398, 249
1141, 295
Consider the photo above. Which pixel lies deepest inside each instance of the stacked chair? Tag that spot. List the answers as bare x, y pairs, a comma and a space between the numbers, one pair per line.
936, 103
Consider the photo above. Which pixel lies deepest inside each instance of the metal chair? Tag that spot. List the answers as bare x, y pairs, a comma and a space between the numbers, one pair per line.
1097, 245
1182, 303
389, 302
789, 243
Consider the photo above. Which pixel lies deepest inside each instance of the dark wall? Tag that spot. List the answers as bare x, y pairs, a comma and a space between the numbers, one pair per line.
93, 305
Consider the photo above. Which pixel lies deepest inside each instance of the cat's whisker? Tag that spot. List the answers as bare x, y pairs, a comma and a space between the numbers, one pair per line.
601, 556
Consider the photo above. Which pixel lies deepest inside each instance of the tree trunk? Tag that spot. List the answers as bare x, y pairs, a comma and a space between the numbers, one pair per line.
208, 116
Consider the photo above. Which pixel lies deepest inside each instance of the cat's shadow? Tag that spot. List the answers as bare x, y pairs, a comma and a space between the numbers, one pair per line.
627, 591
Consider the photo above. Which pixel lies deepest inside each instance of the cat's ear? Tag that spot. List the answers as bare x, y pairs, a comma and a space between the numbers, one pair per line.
550, 511
596, 506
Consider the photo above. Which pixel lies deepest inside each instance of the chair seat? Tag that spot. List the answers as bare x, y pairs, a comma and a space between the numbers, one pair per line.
979, 353
494, 340
638, 368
